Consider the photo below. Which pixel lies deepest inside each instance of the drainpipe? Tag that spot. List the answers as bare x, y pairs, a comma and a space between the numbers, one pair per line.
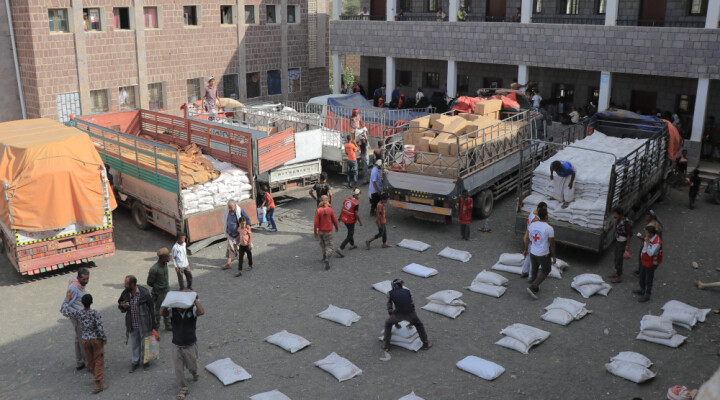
15, 58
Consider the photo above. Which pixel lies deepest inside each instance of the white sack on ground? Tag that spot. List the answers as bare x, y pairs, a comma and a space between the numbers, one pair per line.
633, 357
271, 395
674, 341
227, 371
588, 290
588, 279
657, 324
558, 316
513, 344
491, 278
480, 367
413, 245
444, 309
384, 287
454, 254
574, 308
288, 341
507, 268
339, 367
630, 371
515, 259
527, 335
340, 315
487, 289
419, 270
449, 297
411, 396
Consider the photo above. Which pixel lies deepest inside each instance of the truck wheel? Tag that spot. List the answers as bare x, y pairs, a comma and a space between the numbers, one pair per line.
139, 215
483, 203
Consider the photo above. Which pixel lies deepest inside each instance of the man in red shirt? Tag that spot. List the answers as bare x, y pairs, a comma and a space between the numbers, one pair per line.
324, 222
349, 215
269, 203
352, 171
380, 221
465, 207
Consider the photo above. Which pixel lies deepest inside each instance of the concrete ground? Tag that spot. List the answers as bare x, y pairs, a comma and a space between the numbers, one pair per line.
289, 286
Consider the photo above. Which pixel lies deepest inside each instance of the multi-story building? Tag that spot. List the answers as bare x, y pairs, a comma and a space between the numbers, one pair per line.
641, 55
83, 57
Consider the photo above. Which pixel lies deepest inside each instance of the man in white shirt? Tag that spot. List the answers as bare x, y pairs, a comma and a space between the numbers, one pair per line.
419, 95
364, 14
180, 260
536, 99
541, 245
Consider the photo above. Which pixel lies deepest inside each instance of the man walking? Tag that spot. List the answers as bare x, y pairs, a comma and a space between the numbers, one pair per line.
231, 221
320, 189
269, 203
400, 306
244, 243
375, 189
623, 230
324, 222
352, 171
542, 249
532, 217
361, 139
137, 305
650, 259
158, 280
180, 260
211, 95
76, 290
349, 215
93, 337
184, 339
381, 222
465, 208
694, 181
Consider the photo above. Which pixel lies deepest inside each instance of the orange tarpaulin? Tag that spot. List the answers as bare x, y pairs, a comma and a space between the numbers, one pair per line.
675, 141
466, 104
50, 177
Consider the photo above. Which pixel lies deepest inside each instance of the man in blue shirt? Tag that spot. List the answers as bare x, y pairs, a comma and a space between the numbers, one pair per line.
231, 221
564, 190
395, 97
375, 186
400, 306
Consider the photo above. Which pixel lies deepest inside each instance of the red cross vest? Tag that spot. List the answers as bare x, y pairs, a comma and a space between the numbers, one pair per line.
347, 215
649, 261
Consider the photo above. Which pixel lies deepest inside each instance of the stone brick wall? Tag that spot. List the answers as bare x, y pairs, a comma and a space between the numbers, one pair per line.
10, 108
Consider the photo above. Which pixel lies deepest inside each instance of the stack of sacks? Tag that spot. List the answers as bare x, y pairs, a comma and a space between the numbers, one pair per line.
592, 179
631, 366
563, 311
590, 284
659, 330
406, 337
510, 262
683, 315
489, 283
521, 337
446, 302
232, 184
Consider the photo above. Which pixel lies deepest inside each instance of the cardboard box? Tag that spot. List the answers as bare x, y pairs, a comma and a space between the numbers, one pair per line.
441, 137
430, 134
488, 106
422, 122
462, 145
423, 144
469, 117
408, 137
451, 124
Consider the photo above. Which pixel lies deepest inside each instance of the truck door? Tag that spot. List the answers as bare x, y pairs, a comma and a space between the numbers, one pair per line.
275, 150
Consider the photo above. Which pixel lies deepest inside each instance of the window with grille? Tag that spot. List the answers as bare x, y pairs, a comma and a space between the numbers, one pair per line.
432, 80
601, 6
226, 15
293, 80
230, 86
121, 18
58, 20
91, 19
194, 87
127, 98
570, 7
274, 82
292, 14
537, 6
190, 15
270, 14
99, 101
156, 96
698, 7
252, 83
151, 17
251, 15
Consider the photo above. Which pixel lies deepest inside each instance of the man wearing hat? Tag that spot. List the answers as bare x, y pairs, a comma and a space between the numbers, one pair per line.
158, 280
210, 97
375, 190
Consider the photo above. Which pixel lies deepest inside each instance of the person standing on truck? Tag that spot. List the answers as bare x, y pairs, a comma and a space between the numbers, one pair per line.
137, 305
231, 221
650, 258
623, 230
244, 245
93, 336
694, 181
76, 290
350, 150
269, 202
401, 307
564, 191
323, 226
349, 215
180, 260
465, 207
184, 339
542, 251
210, 97
532, 217
321, 189
158, 280
375, 188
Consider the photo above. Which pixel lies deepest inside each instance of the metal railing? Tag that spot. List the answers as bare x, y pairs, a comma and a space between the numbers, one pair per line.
700, 23
569, 19
353, 17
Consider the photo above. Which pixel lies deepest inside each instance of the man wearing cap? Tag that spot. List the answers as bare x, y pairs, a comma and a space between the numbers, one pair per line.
158, 280
349, 215
210, 97
375, 190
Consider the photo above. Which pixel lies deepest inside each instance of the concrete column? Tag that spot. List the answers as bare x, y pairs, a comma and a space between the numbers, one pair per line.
605, 90
242, 67
698, 123
284, 63
78, 30
522, 77
611, 12
336, 9
526, 12
337, 73
713, 14
143, 97
390, 10
452, 12
452, 78
389, 77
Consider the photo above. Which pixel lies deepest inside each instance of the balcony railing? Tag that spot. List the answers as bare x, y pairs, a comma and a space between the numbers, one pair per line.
668, 23
568, 19
362, 17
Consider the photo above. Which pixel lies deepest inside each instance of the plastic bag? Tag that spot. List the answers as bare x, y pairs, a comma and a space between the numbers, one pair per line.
261, 213
151, 349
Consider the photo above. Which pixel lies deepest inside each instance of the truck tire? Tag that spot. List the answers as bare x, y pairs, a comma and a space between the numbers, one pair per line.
139, 215
483, 203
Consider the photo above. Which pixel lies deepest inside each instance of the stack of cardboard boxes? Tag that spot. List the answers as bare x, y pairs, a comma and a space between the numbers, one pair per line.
439, 139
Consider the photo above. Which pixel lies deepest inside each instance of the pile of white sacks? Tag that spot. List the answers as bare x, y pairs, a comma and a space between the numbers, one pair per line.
489, 283
563, 311
232, 184
590, 284
513, 263
631, 366
521, 337
659, 330
445, 302
592, 179
406, 337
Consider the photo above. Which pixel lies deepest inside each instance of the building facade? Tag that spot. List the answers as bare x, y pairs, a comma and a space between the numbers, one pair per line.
643, 55
84, 57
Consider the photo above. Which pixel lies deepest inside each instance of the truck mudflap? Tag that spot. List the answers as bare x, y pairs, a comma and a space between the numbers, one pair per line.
421, 207
209, 223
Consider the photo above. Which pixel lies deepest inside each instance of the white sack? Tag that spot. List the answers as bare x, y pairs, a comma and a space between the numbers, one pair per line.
339, 367
633, 357
515, 259
227, 371
557, 316
630, 371
454, 254
482, 368
681, 317
288, 341
491, 278
674, 304
444, 309
562, 265
411, 396
447, 297
175, 299
508, 268
271, 395
414, 345
674, 341
385, 287
555, 272
574, 308
419, 270
588, 290
588, 279
339, 315
488, 289
513, 344
657, 324
405, 331
526, 334
413, 245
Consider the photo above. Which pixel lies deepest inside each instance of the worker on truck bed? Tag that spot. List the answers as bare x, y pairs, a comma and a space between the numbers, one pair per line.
210, 97
564, 191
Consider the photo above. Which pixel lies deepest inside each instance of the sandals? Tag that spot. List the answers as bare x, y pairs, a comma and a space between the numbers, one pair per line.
181, 396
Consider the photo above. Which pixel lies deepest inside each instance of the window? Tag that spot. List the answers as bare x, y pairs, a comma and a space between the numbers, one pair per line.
685, 104
252, 83
121, 18
404, 78
294, 80
537, 6
698, 7
274, 82
227, 15
58, 19
230, 86
292, 14
433, 5
127, 98
463, 83
593, 94
570, 7
91, 19
99, 101
601, 6
190, 15
492, 83
194, 87
151, 17
563, 92
156, 96
250, 17
432, 80
271, 17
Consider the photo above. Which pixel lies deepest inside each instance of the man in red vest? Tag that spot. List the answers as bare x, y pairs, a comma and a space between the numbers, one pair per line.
650, 259
465, 207
324, 222
349, 215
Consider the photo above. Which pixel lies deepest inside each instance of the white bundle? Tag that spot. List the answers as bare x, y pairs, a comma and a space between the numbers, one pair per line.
491, 278
521, 337
384, 287
411, 396
339, 367
574, 308
454, 254
288, 341
516, 259
630, 371
633, 357
340, 315
405, 337
413, 245
480, 367
557, 316
590, 284
419, 270
227, 371
684, 315
449, 297
271, 395
674, 341
449, 311
508, 268
658, 327
489, 283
